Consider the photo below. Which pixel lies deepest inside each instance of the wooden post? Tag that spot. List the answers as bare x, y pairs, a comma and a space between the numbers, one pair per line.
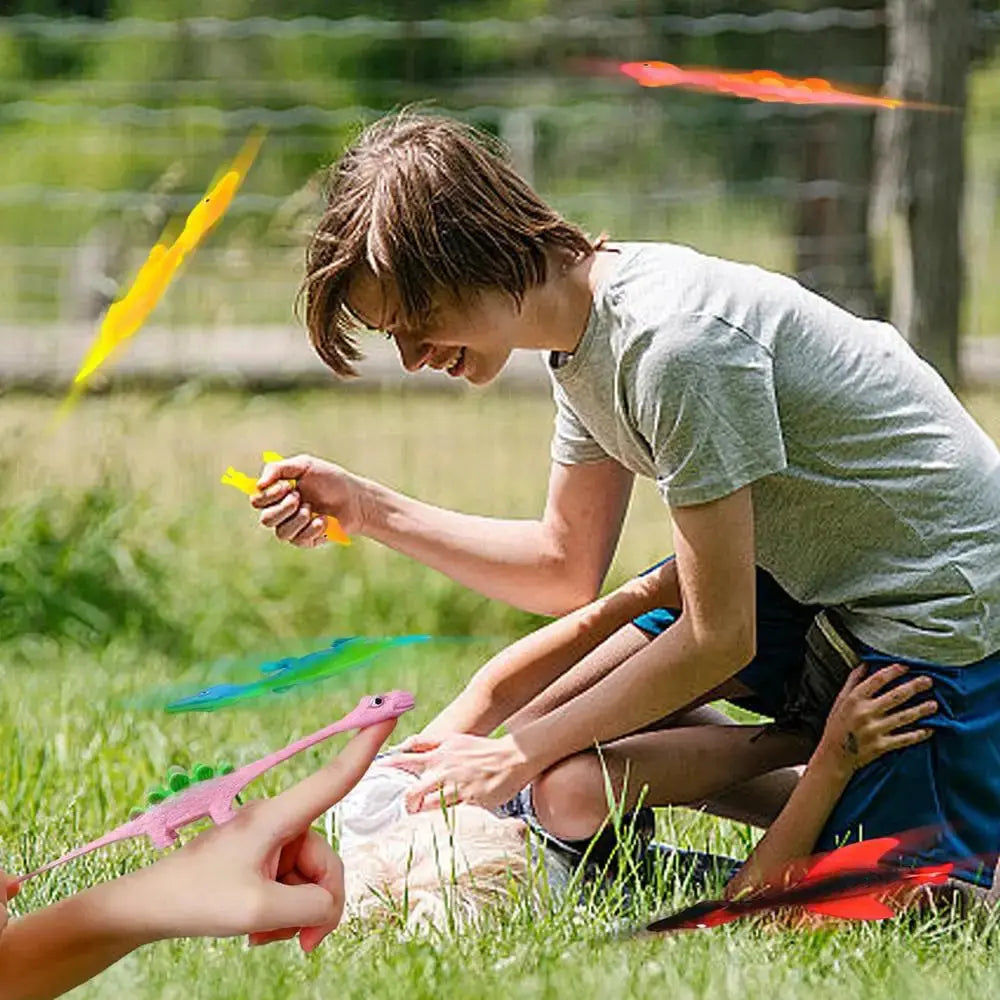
922, 173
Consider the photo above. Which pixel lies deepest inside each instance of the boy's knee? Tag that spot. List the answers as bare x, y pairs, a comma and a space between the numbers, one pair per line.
569, 798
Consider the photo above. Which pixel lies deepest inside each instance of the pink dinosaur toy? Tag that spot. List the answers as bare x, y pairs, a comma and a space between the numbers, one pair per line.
213, 799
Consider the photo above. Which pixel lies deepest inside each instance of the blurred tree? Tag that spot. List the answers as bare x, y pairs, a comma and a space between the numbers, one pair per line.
922, 173
827, 156
43, 58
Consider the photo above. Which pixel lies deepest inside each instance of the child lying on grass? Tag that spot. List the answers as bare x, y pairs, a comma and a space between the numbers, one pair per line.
437, 866
266, 873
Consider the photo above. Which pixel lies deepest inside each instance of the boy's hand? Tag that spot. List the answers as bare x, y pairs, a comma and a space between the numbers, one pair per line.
863, 724
476, 770
264, 873
296, 511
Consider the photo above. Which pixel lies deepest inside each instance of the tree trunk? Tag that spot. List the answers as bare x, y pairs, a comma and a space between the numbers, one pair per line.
832, 256
922, 172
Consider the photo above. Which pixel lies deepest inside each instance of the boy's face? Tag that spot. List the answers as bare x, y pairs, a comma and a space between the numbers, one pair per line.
470, 338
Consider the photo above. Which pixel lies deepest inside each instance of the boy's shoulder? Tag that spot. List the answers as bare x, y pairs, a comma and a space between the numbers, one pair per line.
656, 281
666, 296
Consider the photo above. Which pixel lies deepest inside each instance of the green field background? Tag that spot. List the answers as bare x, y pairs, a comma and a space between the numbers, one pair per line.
126, 569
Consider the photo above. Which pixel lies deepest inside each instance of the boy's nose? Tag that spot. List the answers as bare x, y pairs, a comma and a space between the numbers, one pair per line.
413, 354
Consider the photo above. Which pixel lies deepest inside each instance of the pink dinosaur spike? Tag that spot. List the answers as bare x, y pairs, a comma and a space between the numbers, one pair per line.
213, 799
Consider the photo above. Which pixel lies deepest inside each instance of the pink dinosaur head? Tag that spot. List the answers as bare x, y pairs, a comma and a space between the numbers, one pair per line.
375, 708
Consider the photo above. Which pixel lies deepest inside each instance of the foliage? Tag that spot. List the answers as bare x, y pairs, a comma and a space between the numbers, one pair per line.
68, 569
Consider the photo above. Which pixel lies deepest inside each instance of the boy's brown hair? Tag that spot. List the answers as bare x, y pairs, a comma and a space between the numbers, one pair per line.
431, 205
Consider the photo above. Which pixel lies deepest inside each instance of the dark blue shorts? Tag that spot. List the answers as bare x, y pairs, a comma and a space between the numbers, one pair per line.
949, 784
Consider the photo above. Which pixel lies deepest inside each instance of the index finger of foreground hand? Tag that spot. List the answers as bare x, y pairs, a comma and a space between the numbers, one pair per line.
11, 886
303, 803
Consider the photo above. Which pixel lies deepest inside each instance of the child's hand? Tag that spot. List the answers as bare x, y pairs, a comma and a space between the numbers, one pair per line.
297, 512
264, 873
863, 724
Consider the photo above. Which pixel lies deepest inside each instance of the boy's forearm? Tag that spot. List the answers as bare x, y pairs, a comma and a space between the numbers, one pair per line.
515, 561
517, 674
793, 835
51, 950
670, 673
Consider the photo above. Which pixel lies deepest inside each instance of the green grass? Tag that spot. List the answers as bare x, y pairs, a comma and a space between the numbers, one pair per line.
136, 570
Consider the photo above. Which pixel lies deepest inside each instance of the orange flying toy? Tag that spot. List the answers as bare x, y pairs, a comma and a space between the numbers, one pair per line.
760, 85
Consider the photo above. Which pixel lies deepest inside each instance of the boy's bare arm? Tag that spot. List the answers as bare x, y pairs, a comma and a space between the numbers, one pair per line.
864, 724
548, 566
517, 674
714, 636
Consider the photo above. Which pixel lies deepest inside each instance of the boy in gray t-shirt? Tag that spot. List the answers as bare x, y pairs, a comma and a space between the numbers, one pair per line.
874, 491
816, 471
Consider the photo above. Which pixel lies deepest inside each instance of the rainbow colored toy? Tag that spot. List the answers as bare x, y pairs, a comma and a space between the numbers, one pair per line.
341, 656
248, 485
213, 798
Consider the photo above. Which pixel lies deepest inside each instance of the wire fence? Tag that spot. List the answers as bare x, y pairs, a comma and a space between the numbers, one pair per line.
111, 128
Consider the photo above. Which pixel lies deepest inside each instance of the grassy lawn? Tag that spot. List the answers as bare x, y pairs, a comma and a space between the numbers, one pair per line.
125, 567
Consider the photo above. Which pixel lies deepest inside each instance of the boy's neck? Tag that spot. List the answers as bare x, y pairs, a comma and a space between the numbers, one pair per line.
560, 309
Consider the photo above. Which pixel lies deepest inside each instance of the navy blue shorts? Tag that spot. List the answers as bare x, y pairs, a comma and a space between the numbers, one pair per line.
949, 784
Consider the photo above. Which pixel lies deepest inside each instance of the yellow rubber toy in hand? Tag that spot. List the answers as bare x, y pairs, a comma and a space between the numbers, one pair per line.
248, 485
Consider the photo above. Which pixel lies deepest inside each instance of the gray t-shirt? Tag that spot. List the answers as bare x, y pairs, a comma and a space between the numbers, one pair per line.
874, 491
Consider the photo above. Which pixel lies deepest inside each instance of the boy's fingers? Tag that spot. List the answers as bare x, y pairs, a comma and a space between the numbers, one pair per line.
897, 741
287, 468
908, 716
313, 535
854, 678
417, 744
303, 803
290, 529
432, 794
418, 797
278, 513
273, 493
878, 680
902, 693
411, 761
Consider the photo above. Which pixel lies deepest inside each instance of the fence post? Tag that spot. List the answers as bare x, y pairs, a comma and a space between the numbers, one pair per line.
922, 173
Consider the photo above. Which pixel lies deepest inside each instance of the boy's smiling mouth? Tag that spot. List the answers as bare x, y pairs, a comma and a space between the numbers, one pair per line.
457, 367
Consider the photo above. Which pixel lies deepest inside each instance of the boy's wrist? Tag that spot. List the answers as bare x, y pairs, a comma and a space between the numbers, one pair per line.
832, 761
375, 508
532, 751
464, 715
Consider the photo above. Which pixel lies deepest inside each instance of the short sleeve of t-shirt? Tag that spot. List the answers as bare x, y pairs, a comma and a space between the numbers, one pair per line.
703, 399
572, 443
